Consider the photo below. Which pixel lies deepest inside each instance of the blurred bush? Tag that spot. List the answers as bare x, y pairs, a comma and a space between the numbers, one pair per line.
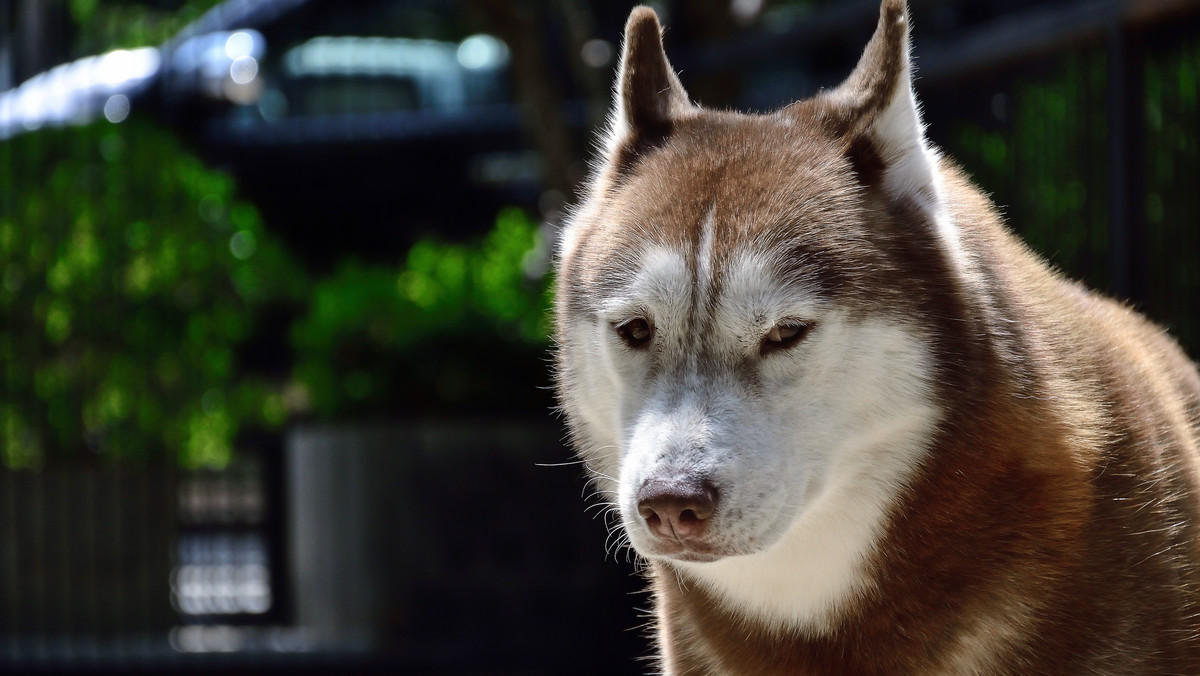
133, 281
456, 328
104, 25
131, 276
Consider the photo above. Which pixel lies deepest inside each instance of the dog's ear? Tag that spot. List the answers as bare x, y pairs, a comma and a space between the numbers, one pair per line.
649, 97
876, 114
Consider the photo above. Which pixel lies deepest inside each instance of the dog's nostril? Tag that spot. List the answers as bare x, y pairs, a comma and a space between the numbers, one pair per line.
678, 508
653, 521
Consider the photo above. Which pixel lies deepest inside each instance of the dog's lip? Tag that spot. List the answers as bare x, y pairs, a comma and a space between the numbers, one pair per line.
699, 551
689, 554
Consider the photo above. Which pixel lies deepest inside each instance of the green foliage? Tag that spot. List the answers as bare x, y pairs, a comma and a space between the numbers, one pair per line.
130, 276
1048, 166
1049, 163
383, 340
106, 25
1172, 200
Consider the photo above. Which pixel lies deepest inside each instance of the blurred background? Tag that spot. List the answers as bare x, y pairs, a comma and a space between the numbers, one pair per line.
274, 363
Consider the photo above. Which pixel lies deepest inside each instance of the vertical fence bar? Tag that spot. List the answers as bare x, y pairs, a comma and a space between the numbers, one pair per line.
38, 537
1127, 174
110, 551
9, 560
163, 514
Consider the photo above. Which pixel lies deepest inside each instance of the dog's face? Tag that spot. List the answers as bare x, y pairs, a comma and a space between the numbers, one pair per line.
738, 358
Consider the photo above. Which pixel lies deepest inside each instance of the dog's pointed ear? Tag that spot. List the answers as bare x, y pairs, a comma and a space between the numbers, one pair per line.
649, 96
876, 113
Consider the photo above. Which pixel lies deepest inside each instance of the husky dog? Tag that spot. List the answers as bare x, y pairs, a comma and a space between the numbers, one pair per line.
851, 424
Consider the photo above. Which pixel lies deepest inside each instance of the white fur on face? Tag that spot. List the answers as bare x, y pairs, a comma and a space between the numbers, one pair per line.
605, 376
865, 411
807, 459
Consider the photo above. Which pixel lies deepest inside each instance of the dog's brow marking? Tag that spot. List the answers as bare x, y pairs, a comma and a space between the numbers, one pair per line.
704, 252
704, 285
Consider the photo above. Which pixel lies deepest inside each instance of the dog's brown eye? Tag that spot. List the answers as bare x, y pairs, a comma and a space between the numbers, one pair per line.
636, 332
784, 335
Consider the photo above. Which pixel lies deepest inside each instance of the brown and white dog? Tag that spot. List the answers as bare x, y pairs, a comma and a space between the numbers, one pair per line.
852, 425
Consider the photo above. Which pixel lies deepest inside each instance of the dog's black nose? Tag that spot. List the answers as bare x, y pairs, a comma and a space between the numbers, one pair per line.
677, 508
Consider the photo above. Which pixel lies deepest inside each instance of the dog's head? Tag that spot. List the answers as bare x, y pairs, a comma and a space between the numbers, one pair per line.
739, 354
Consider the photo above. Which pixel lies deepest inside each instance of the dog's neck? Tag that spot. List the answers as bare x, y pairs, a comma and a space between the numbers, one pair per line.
792, 610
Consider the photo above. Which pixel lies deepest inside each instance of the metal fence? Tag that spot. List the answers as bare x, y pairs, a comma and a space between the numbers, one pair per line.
86, 551
1082, 121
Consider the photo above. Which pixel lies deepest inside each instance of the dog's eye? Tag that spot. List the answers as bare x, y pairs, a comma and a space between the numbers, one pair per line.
635, 332
784, 335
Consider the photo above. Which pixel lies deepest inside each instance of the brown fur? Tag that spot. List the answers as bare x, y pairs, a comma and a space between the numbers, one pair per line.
1077, 558
1053, 526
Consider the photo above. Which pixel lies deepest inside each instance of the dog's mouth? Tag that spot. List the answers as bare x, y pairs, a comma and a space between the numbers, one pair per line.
707, 549
696, 557
687, 553
689, 556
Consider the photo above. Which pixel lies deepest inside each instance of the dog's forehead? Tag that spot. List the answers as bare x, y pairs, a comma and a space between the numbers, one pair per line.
759, 173
727, 191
